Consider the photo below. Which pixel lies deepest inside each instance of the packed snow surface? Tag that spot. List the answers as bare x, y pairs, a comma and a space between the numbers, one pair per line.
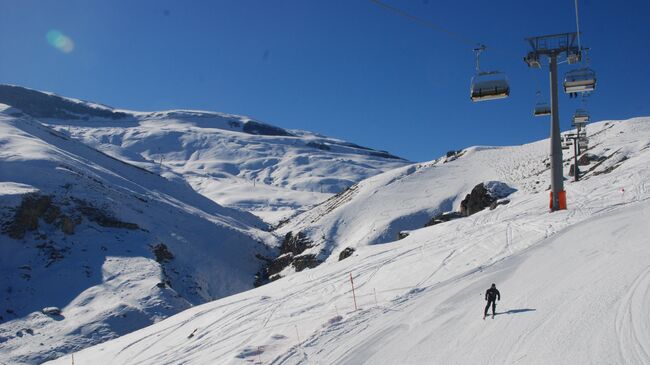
574, 283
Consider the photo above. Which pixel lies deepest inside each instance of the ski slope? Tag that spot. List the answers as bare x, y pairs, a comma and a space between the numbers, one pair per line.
105, 274
574, 283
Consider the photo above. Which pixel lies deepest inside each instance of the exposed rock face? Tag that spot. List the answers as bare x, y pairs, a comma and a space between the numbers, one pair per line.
162, 253
347, 252
26, 218
294, 244
102, 217
476, 201
290, 254
484, 196
588, 158
253, 127
35, 207
305, 262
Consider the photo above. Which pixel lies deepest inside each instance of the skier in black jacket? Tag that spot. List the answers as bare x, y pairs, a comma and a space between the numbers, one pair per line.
491, 295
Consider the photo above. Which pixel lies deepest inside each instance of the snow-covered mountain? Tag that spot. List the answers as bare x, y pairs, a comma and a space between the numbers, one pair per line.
574, 283
113, 246
234, 160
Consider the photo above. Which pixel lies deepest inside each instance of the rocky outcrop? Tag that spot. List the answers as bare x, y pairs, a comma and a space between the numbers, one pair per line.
484, 195
31, 210
295, 244
347, 252
476, 201
290, 255
162, 253
36, 208
305, 262
102, 216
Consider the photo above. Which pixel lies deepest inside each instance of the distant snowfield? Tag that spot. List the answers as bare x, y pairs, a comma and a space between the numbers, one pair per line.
272, 176
575, 284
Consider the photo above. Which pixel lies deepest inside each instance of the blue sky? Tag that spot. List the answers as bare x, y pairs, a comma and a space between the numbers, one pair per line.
343, 68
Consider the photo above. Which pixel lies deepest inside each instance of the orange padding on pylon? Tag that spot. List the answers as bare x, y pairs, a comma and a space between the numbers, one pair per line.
561, 197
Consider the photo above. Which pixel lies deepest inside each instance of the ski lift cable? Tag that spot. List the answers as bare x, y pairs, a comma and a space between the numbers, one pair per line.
578, 26
427, 23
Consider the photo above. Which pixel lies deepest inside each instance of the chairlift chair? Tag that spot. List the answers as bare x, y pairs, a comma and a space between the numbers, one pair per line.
489, 86
581, 116
574, 57
542, 109
566, 145
583, 145
532, 60
580, 81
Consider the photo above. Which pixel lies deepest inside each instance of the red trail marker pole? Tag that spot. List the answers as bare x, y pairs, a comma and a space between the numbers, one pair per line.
353, 295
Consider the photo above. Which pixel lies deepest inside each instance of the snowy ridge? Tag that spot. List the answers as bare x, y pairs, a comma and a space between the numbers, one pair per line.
114, 246
573, 283
234, 160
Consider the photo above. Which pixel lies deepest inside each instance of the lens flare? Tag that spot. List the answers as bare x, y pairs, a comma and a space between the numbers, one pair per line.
59, 41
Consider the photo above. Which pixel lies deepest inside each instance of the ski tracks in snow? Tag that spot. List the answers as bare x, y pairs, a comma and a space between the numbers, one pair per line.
632, 321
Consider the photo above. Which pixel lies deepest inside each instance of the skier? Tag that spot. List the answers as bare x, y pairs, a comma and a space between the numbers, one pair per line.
491, 296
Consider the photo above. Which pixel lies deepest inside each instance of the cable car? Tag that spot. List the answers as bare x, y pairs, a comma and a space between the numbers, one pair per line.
489, 86
579, 81
581, 116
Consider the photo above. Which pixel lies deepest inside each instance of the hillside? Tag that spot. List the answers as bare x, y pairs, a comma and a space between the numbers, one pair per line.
113, 246
234, 160
377, 209
573, 283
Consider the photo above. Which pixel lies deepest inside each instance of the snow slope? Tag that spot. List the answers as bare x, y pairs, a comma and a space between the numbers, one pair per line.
234, 160
114, 246
574, 283
377, 209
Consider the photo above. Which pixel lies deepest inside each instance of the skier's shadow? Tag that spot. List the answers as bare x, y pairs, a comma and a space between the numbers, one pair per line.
516, 311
